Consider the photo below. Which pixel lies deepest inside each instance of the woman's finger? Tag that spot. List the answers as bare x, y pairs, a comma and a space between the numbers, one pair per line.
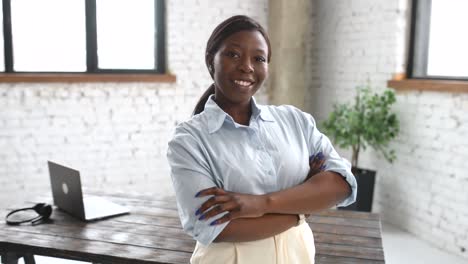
225, 218
320, 163
315, 162
213, 201
317, 156
219, 209
311, 158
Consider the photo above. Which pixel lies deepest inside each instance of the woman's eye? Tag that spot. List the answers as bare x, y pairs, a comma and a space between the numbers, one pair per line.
261, 59
232, 54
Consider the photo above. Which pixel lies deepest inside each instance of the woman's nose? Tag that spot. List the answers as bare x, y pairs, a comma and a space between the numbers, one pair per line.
246, 66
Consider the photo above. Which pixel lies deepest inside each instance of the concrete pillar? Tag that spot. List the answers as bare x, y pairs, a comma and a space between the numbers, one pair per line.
289, 24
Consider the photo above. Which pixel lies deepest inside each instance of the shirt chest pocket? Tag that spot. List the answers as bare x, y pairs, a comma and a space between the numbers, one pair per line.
252, 172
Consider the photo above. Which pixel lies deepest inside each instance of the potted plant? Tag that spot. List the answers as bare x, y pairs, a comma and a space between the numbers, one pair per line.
368, 122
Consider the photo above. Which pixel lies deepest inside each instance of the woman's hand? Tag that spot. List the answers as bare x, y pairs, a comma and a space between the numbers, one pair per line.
316, 164
237, 205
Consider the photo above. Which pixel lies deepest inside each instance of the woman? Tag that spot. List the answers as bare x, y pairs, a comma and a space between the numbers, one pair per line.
241, 171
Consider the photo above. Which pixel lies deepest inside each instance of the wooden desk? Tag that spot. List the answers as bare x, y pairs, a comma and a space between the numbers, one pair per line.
152, 234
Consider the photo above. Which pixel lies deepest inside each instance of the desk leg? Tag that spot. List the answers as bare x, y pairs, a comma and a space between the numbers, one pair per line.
12, 258
29, 259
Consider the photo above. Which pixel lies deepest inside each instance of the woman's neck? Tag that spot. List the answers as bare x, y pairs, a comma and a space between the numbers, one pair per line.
240, 112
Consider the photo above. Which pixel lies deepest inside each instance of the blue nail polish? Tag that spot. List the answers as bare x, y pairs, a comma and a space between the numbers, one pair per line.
197, 212
320, 155
198, 193
201, 217
311, 157
214, 223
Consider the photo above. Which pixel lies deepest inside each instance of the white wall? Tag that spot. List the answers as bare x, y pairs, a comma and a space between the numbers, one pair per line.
116, 133
425, 191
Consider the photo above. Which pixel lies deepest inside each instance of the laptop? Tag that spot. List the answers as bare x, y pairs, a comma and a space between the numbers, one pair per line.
67, 194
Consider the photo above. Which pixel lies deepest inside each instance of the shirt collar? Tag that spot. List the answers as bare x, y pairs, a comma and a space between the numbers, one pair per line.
216, 115
261, 111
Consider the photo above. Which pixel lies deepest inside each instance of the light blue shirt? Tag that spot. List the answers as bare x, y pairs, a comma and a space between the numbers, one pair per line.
269, 155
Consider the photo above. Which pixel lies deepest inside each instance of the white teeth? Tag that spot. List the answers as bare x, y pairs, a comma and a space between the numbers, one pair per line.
243, 83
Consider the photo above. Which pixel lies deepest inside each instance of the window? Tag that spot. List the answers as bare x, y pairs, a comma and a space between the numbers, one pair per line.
438, 40
2, 54
82, 36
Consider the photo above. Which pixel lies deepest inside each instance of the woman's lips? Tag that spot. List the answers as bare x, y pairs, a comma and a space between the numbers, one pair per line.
243, 83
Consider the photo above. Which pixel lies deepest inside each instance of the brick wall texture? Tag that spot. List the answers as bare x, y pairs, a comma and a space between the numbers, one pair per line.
362, 42
116, 134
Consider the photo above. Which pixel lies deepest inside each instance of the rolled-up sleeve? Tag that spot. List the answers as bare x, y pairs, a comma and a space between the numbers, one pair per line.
318, 142
190, 173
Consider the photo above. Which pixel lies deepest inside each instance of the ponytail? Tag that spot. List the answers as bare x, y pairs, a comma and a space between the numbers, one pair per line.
200, 106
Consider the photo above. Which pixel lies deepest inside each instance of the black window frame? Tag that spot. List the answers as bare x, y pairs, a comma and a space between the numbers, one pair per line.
91, 43
419, 43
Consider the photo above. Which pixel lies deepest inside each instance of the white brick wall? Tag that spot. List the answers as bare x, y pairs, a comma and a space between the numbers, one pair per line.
425, 191
116, 133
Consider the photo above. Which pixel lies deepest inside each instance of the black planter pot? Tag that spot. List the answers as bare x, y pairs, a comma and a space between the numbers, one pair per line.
365, 181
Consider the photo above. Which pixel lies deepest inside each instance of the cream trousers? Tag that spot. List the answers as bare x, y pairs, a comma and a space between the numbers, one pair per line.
293, 246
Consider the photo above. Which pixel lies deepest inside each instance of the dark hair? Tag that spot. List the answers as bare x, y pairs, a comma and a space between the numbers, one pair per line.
220, 33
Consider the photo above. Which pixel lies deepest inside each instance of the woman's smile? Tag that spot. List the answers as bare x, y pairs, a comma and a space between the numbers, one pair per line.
243, 85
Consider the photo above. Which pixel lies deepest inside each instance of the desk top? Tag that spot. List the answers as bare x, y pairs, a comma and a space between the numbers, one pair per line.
151, 233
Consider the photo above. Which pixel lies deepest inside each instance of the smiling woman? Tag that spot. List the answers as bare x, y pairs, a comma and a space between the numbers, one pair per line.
246, 174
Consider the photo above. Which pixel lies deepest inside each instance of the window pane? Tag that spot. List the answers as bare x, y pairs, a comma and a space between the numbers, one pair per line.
49, 35
2, 55
448, 41
125, 34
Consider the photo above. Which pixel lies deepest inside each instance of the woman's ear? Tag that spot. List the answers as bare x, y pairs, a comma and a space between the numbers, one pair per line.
209, 62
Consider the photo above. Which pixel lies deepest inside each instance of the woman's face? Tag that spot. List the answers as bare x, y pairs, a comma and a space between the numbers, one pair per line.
240, 67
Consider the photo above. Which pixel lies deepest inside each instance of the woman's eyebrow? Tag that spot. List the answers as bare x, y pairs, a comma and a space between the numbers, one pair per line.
235, 44
262, 50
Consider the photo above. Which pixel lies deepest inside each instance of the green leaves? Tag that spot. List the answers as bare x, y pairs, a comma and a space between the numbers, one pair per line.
369, 122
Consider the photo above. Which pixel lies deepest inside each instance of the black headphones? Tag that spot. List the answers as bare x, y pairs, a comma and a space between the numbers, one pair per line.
44, 210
